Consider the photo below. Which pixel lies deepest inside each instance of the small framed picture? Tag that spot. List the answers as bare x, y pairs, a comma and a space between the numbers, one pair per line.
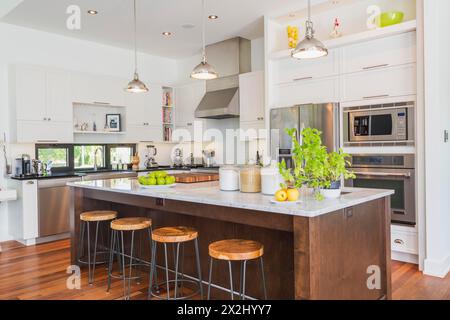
113, 122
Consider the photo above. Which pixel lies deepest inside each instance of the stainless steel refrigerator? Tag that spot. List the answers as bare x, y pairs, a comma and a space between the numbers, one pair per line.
324, 117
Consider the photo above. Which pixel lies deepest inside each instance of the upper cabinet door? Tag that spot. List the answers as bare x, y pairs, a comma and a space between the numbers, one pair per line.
145, 109
59, 104
251, 96
381, 53
30, 93
187, 99
102, 90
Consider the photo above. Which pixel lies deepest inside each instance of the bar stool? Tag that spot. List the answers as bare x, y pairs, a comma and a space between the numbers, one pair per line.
118, 227
177, 236
237, 250
86, 218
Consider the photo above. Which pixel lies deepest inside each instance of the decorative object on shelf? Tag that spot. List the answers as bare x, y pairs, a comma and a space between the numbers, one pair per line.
204, 71
8, 168
136, 161
336, 33
314, 166
84, 126
113, 122
310, 47
94, 127
390, 18
136, 85
373, 11
292, 33
167, 101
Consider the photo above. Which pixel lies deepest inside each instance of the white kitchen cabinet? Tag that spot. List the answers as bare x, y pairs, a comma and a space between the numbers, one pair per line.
44, 132
98, 89
23, 213
291, 70
187, 99
307, 91
145, 109
380, 53
144, 133
28, 84
380, 83
251, 97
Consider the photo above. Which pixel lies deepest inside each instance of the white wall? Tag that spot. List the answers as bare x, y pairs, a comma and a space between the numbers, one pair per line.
22, 45
437, 119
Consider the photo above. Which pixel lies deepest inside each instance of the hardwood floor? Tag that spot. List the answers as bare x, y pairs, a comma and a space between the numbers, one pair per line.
39, 272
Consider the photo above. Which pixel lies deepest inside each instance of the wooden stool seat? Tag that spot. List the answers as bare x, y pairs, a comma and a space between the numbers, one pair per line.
236, 250
174, 234
131, 224
94, 216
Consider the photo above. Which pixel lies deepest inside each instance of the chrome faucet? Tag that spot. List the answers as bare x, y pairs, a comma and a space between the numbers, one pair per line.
95, 158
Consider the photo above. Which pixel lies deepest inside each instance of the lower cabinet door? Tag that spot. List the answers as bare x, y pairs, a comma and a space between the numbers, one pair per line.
44, 132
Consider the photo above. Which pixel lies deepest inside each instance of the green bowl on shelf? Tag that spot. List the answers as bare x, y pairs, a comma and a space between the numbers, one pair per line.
390, 18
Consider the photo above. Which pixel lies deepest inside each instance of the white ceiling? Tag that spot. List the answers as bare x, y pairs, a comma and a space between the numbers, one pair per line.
113, 24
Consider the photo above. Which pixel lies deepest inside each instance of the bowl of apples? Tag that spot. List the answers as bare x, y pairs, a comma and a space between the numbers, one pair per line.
157, 180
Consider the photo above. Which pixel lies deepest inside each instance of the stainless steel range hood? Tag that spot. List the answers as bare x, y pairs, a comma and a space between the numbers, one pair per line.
230, 58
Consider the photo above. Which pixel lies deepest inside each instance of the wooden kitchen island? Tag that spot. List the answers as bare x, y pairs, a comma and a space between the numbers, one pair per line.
313, 250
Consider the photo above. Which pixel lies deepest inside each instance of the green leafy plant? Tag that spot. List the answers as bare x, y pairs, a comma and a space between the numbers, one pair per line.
314, 167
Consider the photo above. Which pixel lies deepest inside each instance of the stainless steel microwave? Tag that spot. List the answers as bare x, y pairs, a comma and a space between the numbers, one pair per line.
384, 123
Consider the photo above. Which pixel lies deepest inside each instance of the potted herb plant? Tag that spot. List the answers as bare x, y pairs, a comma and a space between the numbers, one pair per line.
314, 167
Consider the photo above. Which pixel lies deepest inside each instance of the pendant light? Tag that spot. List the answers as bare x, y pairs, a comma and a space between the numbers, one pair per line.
204, 71
136, 85
310, 47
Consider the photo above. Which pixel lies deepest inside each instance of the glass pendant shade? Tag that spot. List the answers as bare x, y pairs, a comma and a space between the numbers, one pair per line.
136, 85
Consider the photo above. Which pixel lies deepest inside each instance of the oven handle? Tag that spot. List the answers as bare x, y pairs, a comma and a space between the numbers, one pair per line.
382, 174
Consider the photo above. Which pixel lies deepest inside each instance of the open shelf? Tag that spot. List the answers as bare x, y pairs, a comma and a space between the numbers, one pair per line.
100, 132
378, 33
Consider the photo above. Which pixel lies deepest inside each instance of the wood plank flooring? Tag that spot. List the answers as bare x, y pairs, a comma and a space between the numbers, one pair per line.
39, 272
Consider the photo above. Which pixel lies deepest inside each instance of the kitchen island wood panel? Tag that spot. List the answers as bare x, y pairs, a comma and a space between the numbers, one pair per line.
321, 257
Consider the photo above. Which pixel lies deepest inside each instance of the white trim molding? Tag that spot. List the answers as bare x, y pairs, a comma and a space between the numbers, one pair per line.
437, 268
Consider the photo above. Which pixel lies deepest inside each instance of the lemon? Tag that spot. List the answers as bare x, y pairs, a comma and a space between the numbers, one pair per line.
281, 195
293, 195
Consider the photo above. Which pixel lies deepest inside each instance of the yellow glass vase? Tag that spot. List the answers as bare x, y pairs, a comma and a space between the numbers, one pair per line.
292, 33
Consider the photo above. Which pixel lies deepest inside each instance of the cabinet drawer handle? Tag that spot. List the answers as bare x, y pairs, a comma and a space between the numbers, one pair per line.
47, 141
103, 103
30, 182
376, 97
189, 124
301, 79
399, 241
376, 67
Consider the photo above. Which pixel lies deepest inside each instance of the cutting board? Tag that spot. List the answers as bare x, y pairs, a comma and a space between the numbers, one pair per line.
195, 177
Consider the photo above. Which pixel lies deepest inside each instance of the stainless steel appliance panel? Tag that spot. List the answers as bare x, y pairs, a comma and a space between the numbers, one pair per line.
280, 119
54, 206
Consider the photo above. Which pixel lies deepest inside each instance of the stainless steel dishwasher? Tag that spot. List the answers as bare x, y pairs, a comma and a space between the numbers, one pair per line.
54, 206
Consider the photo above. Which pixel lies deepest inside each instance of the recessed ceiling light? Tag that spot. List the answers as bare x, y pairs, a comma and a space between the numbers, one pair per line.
167, 33
92, 12
213, 17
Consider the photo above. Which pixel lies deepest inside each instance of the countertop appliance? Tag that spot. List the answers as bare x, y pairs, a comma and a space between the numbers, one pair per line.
54, 206
391, 123
178, 158
394, 172
324, 117
208, 158
230, 58
152, 152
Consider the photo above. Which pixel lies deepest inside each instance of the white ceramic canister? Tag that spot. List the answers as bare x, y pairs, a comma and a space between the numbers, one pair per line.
229, 178
271, 179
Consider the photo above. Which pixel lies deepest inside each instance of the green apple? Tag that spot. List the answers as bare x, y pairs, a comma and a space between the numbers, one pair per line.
142, 180
161, 181
152, 175
170, 180
163, 174
151, 181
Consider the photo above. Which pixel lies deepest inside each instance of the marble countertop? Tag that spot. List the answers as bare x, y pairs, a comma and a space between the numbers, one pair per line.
210, 193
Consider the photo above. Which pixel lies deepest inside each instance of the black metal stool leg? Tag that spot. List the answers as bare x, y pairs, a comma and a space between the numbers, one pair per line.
152, 270
111, 258
199, 269
210, 277
167, 271
244, 269
176, 270
89, 252
81, 241
123, 264
91, 280
263, 278
131, 266
118, 252
182, 268
155, 273
231, 280
241, 264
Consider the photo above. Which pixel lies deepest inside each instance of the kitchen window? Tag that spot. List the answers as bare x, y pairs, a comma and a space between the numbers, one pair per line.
121, 154
59, 155
86, 156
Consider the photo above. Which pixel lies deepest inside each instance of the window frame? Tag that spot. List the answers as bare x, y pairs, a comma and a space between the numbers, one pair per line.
71, 154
